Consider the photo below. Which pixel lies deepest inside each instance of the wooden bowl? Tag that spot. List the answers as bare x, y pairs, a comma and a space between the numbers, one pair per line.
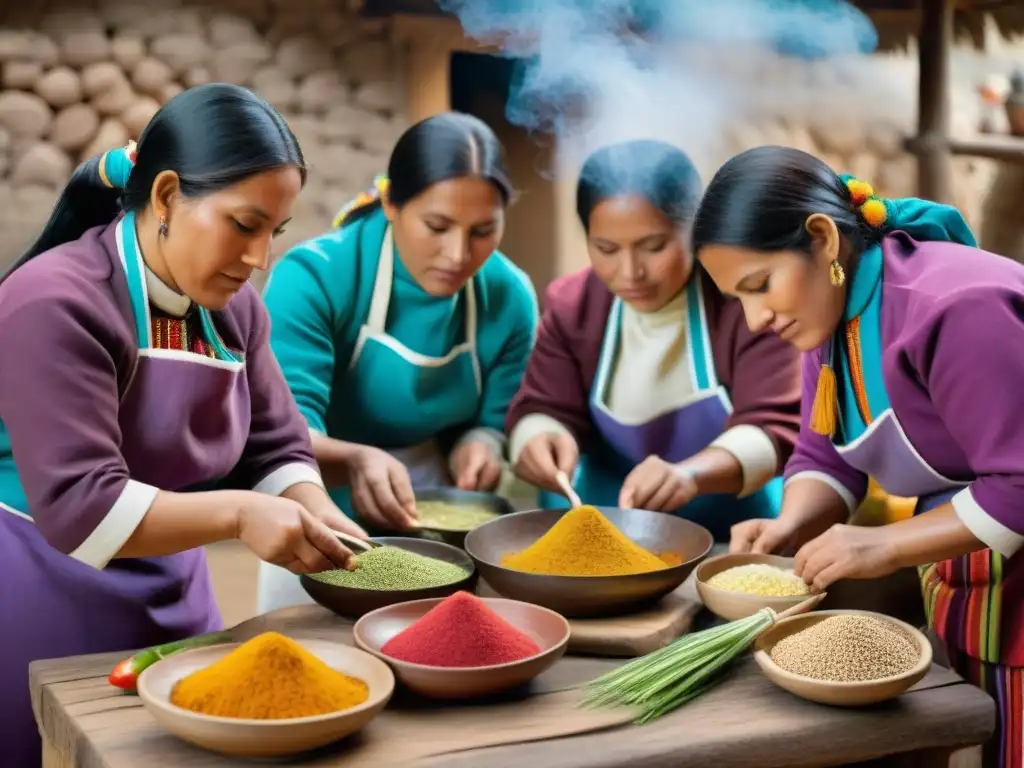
737, 605
353, 603
549, 630
588, 596
855, 694
237, 737
456, 496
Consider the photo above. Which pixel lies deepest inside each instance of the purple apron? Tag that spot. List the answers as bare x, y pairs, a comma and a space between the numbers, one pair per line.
674, 436
184, 420
884, 452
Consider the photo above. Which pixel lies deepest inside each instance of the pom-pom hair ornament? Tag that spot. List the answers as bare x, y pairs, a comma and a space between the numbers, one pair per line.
378, 191
874, 212
872, 209
860, 191
116, 166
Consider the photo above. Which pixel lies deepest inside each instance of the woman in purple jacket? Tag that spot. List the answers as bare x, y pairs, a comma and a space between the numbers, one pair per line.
644, 384
913, 343
142, 413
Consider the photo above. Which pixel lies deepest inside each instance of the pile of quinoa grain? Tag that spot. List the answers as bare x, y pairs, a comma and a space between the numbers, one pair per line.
844, 649
760, 579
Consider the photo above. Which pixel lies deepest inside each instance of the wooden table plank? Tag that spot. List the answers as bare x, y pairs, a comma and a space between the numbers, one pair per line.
746, 721
750, 723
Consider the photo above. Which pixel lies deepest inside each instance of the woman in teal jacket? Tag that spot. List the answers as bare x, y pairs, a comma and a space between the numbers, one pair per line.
403, 333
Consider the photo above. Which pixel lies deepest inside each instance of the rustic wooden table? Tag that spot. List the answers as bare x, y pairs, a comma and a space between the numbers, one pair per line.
746, 721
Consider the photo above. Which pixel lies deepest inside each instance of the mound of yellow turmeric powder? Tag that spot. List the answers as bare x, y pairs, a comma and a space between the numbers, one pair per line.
270, 677
584, 543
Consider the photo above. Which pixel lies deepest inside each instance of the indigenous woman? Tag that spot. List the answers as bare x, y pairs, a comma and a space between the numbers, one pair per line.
404, 333
137, 380
913, 344
645, 384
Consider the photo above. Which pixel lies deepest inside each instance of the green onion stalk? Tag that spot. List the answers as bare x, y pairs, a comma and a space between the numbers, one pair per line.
667, 678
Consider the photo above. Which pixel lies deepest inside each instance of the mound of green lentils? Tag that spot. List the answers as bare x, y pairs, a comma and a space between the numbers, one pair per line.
391, 568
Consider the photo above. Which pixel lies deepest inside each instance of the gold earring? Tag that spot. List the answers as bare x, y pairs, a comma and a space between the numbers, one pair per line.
836, 273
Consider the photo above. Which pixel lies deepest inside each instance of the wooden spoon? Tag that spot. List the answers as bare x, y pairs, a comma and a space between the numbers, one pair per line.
566, 486
805, 607
358, 544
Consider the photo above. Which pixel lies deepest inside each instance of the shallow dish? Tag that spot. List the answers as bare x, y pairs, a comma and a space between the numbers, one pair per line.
237, 737
549, 630
353, 603
456, 496
588, 596
737, 605
856, 694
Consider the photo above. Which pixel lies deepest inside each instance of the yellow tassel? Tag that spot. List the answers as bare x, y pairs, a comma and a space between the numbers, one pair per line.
825, 410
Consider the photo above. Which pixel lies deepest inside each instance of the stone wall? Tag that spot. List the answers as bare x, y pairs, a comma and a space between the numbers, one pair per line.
79, 77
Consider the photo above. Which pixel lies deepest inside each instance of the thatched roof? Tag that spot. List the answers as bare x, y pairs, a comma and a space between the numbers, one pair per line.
897, 21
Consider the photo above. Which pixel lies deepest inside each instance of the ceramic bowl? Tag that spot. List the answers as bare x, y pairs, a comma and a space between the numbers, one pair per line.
737, 605
353, 603
549, 630
242, 738
588, 596
456, 496
855, 694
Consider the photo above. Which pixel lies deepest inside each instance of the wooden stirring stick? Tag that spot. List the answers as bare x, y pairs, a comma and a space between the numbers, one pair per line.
804, 607
566, 486
359, 544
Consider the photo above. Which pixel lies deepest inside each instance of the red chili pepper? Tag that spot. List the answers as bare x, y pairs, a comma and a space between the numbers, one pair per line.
127, 672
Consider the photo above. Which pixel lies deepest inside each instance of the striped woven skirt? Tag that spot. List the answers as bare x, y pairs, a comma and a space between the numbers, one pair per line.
963, 600
1004, 684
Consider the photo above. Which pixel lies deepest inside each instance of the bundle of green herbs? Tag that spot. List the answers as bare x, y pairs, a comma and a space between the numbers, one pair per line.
667, 678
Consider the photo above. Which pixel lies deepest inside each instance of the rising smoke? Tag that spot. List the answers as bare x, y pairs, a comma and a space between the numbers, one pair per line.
595, 72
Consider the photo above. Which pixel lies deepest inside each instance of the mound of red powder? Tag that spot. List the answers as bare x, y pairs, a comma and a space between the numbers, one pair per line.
461, 631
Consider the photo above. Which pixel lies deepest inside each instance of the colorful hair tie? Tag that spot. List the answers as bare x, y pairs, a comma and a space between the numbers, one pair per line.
116, 166
379, 190
872, 209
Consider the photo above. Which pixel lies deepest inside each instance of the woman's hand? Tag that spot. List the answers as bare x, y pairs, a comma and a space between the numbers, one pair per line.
283, 532
809, 508
657, 485
381, 488
476, 466
544, 456
846, 552
762, 537
318, 503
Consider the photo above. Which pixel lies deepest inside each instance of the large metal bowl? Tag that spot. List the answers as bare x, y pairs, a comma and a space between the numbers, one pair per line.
588, 596
353, 603
456, 496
